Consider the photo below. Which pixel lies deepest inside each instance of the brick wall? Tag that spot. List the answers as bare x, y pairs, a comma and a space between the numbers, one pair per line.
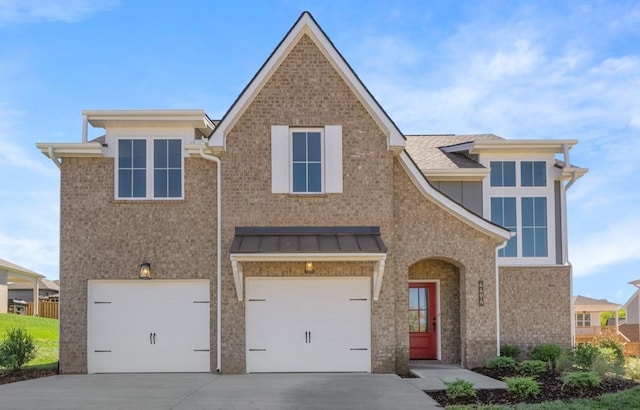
106, 239
535, 305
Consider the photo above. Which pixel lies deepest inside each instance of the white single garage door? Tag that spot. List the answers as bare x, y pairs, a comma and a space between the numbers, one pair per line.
148, 326
308, 324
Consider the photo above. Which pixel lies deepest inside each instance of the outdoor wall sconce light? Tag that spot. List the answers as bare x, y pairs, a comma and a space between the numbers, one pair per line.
145, 270
308, 268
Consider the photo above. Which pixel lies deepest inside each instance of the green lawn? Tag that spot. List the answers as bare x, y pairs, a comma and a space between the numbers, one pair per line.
45, 335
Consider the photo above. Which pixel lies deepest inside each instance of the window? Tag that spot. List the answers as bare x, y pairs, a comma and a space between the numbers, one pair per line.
503, 212
533, 173
307, 161
534, 226
503, 173
583, 319
132, 168
141, 165
418, 310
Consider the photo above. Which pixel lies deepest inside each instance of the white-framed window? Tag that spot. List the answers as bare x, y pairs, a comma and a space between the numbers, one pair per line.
149, 168
306, 160
519, 196
583, 319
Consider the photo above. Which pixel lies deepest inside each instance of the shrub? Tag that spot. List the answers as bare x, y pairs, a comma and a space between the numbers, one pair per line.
633, 369
581, 380
502, 362
512, 351
460, 389
548, 353
602, 366
17, 348
522, 387
585, 354
564, 362
533, 367
612, 349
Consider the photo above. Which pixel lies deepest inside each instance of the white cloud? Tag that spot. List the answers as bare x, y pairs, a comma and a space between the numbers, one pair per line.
19, 11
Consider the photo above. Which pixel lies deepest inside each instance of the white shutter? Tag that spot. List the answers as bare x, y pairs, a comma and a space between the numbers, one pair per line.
333, 158
279, 158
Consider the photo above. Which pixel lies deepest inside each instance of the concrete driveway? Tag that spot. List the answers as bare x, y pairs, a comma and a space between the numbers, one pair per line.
210, 391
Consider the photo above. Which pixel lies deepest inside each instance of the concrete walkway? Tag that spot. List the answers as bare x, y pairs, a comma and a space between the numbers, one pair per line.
433, 375
211, 391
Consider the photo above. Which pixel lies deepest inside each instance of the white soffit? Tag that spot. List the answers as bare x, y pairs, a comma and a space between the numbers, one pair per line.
307, 25
518, 146
196, 119
456, 174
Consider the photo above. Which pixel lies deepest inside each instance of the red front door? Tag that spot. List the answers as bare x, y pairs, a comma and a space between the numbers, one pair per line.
422, 321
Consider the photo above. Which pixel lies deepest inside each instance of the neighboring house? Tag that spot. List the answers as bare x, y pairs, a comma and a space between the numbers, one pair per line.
631, 327
304, 232
587, 318
24, 290
12, 273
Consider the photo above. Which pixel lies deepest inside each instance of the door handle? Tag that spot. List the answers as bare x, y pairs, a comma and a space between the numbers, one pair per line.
434, 324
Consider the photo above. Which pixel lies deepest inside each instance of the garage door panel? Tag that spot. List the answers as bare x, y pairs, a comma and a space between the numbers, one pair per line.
150, 326
308, 324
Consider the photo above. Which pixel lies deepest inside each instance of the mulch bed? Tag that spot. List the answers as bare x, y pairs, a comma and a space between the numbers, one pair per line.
551, 389
24, 374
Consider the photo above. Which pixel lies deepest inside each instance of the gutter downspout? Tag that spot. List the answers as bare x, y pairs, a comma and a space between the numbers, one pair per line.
215, 159
501, 246
52, 156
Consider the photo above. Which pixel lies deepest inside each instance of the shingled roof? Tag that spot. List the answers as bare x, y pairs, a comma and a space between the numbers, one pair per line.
427, 153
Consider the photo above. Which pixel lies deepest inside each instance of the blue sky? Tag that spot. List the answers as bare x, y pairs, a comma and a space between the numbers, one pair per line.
516, 69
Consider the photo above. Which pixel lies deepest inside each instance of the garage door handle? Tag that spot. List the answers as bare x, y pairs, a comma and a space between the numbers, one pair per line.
152, 338
307, 337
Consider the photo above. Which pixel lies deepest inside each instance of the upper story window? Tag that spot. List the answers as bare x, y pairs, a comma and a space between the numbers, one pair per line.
503, 173
503, 212
533, 173
534, 226
306, 160
142, 164
306, 175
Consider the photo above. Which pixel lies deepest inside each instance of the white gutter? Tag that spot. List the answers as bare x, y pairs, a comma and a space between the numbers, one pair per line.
52, 155
501, 246
218, 256
85, 128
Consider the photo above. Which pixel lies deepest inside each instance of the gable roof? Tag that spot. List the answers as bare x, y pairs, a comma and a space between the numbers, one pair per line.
427, 152
306, 25
43, 284
17, 270
583, 303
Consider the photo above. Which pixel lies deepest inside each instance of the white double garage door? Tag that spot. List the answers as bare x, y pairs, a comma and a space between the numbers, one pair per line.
292, 325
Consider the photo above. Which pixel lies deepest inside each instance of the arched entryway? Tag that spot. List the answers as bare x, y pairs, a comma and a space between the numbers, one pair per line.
434, 310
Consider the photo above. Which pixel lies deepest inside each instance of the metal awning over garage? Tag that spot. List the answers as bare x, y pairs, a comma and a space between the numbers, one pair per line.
303, 244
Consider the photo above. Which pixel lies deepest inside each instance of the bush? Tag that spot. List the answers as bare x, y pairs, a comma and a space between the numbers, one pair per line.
522, 387
585, 354
17, 349
602, 366
460, 389
582, 380
502, 362
613, 351
512, 351
633, 369
548, 353
564, 362
533, 367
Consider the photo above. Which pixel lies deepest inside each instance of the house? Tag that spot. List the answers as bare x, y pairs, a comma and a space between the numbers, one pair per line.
12, 273
631, 328
303, 232
587, 318
24, 290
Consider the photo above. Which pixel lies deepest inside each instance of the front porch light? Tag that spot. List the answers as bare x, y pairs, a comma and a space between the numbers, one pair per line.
308, 268
145, 270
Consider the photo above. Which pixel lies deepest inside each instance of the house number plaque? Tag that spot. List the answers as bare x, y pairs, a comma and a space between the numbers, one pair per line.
481, 293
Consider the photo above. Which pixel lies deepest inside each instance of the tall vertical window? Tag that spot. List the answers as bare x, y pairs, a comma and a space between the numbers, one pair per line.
534, 226
503, 212
533, 173
132, 168
167, 168
503, 173
307, 161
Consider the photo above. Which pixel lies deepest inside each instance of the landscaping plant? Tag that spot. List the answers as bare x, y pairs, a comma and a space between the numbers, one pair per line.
533, 367
512, 351
548, 353
582, 380
502, 362
17, 348
522, 387
459, 389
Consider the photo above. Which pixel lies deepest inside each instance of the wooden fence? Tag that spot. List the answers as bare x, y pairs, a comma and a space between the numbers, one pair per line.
45, 309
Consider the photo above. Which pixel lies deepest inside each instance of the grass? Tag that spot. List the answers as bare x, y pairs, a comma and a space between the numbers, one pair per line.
45, 335
627, 399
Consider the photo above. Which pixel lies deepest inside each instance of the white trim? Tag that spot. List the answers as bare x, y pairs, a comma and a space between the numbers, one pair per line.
307, 25
521, 146
455, 174
377, 275
438, 317
307, 130
61, 150
196, 119
498, 233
